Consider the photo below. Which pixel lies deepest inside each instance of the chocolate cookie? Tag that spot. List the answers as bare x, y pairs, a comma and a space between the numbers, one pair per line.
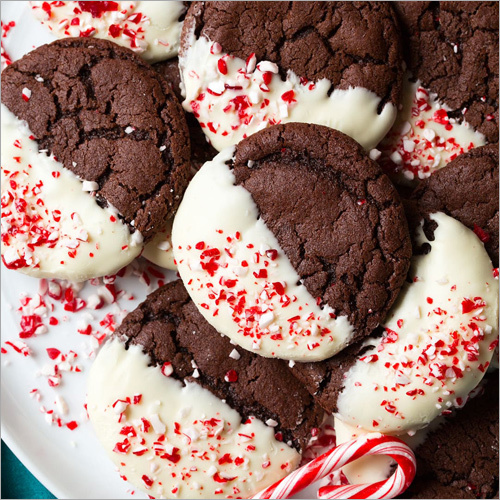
294, 246
248, 65
467, 189
109, 118
450, 93
168, 326
452, 47
400, 380
226, 411
460, 459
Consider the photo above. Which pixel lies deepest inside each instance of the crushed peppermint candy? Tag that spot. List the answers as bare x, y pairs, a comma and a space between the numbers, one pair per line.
430, 363
244, 92
5, 58
192, 447
43, 315
260, 314
424, 138
26, 94
126, 23
48, 219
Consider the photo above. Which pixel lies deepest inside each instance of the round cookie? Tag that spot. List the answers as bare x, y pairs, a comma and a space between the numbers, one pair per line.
438, 340
450, 95
52, 225
124, 135
151, 29
294, 243
249, 65
182, 411
467, 189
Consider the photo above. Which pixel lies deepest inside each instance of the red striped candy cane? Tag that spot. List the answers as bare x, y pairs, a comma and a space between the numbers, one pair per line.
336, 458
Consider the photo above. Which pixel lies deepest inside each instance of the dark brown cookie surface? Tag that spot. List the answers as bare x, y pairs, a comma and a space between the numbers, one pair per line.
201, 150
336, 216
325, 379
460, 459
352, 44
467, 190
170, 328
109, 118
452, 47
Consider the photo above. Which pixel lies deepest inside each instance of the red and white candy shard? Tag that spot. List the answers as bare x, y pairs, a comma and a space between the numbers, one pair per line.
424, 139
233, 98
5, 59
159, 249
176, 441
241, 280
52, 226
151, 29
439, 340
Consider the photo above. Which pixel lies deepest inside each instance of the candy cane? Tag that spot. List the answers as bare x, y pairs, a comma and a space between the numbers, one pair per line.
336, 458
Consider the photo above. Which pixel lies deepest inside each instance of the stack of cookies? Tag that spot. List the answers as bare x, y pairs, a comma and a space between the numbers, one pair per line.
324, 178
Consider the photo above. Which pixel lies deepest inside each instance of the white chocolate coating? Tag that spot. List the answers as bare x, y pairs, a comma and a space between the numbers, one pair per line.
151, 29
52, 226
439, 340
192, 434
159, 249
239, 277
424, 139
251, 96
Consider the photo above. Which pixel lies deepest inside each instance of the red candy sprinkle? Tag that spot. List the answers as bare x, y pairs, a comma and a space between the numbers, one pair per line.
147, 481
262, 273
222, 66
267, 77
53, 352
272, 254
174, 457
123, 447
481, 234
87, 33
115, 30
469, 305
29, 325
289, 96
220, 479
72, 425
225, 459
231, 376
97, 9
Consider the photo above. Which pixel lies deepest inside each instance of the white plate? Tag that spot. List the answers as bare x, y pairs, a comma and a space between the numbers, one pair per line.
71, 464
